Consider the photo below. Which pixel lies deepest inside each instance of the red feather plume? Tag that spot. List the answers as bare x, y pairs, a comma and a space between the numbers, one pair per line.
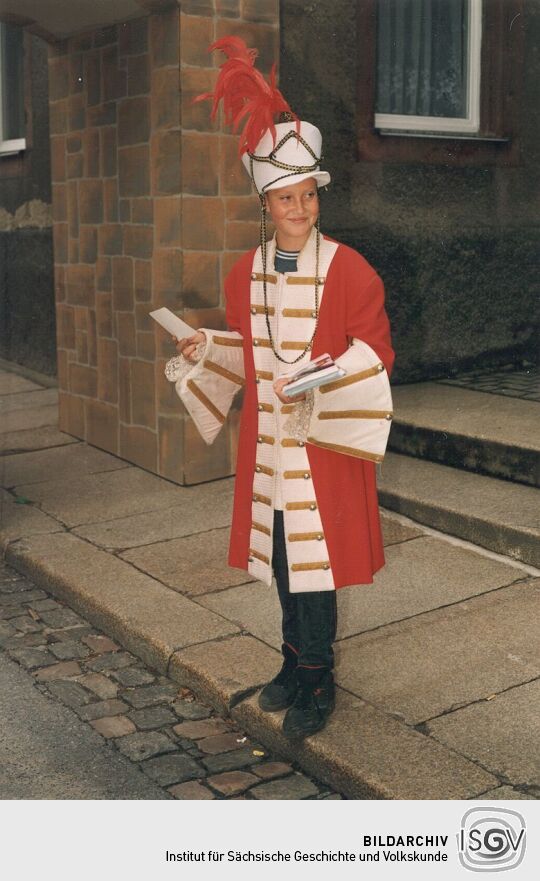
246, 94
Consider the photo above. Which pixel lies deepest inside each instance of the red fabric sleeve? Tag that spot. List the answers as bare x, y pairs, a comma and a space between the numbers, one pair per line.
367, 319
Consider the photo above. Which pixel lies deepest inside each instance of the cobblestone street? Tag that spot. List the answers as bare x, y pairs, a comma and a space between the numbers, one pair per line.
181, 745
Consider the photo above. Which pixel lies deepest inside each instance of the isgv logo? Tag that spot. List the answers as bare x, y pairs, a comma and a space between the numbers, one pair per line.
491, 839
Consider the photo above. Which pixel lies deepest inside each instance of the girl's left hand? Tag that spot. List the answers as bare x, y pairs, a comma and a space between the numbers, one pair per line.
287, 399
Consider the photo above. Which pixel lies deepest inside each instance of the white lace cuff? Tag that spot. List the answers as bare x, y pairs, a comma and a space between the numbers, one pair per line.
177, 367
297, 424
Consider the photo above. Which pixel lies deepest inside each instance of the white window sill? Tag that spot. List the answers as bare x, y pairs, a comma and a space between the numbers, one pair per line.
10, 148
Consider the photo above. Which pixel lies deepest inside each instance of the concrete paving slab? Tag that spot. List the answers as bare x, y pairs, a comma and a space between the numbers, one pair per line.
102, 497
12, 384
253, 607
225, 670
147, 618
17, 520
29, 410
395, 532
420, 575
34, 439
58, 464
502, 734
496, 514
198, 509
367, 754
193, 566
436, 662
505, 793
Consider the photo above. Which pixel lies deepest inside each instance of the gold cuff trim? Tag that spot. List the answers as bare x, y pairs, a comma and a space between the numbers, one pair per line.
306, 567
291, 442
264, 469
305, 536
264, 374
301, 506
287, 408
200, 395
257, 497
261, 343
305, 279
227, 341
293, 344
259, 310
260, 528
348, 451
293, 475
260, 276
222, 371
259, 556
297, 313
355, 414
265, 408
265, 439
354, 377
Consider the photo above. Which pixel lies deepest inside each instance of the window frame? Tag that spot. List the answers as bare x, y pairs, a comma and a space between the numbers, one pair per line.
13, 146
494, 142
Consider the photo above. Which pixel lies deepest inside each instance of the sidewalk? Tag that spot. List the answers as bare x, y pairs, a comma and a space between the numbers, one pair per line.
438, 662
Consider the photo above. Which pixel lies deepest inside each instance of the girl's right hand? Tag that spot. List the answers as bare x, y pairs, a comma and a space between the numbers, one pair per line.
187, 345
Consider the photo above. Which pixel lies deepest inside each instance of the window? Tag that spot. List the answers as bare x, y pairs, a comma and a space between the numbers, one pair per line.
428, 66
439, 80
12, 127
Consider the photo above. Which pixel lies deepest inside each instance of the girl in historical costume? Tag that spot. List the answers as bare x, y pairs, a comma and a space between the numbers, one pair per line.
305, 502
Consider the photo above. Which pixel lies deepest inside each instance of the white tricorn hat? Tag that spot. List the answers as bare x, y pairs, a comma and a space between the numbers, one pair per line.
293, 156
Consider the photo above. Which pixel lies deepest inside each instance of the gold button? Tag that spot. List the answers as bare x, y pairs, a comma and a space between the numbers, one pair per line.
313, 314
259, 440
258, 469
313, 507
326, 566
300, 443
388, 415
307, 475
253, 310
255, 342
260, 407
320, 537
255, 499
320, 281
253, 276
250, 559
257, 380
380, 367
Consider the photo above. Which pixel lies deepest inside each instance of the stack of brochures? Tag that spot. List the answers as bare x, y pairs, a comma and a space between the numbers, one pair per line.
318, 372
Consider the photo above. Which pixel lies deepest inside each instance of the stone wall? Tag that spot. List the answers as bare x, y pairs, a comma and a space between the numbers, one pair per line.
151, 207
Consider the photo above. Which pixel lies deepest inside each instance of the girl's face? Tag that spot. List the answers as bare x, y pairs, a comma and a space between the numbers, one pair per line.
294, 210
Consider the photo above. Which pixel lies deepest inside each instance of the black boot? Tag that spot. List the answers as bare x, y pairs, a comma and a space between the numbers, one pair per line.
281, 691
313, 704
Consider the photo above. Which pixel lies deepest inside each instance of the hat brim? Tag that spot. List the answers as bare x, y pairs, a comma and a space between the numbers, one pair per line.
322, 178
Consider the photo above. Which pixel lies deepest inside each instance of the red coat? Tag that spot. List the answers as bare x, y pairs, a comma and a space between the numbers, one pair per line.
345, 486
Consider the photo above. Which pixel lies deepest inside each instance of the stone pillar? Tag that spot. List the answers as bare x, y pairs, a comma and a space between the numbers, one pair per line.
151, 207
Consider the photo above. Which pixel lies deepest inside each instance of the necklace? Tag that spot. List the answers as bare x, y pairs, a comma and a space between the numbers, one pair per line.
266, 310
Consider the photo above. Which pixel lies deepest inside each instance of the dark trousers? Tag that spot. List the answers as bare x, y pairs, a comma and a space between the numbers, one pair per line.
309, 619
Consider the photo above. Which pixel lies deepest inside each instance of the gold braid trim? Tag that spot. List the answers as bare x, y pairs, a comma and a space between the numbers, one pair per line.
305, 279
259, 556
298, 313
305, 536
264, 374
260, 527
294, 344
354, 414
264, 500
259, 310
305, 567
260, 276
227, 341
354, 377
264, 469
200, 395
222, 371
348, 451
301, 506
293, 475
